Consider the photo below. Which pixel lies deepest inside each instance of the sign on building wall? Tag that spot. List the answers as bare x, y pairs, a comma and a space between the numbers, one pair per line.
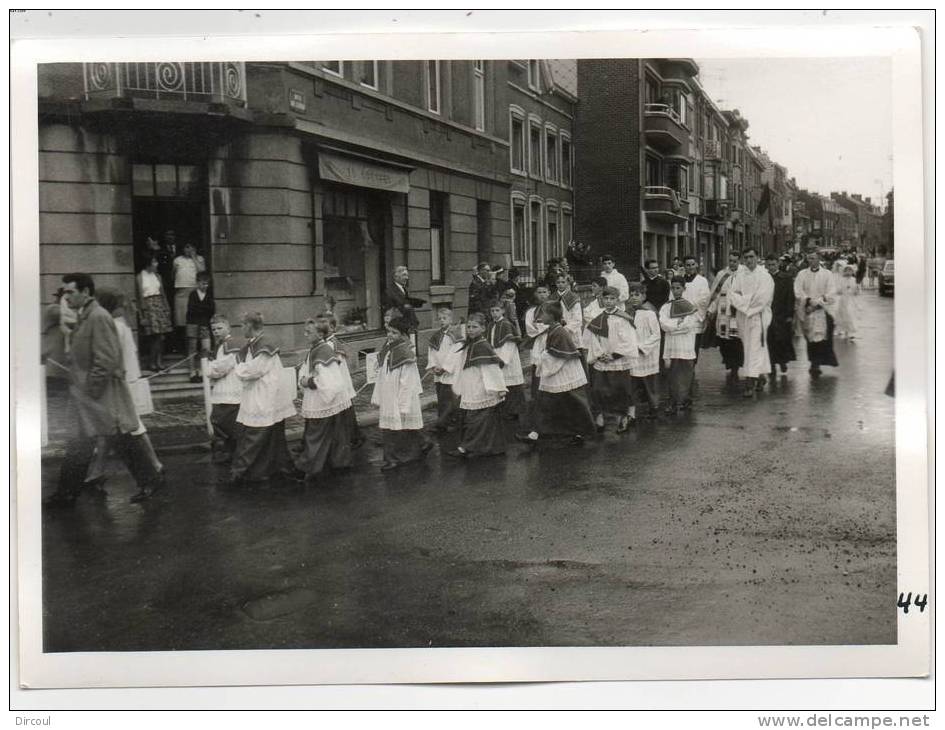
363, 173
296, 100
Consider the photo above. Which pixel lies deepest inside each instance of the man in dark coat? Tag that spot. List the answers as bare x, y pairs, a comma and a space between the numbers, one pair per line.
482, 290
657, 288
398, 298
781, 329
101, 405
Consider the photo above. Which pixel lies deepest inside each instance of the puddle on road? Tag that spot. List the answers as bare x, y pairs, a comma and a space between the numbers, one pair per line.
282, 603
806, 430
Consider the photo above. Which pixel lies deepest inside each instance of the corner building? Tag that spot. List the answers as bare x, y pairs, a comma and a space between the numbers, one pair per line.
304, 184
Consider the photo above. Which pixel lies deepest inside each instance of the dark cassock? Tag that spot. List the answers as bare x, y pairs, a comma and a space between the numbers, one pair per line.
261, 451
657, 290
612, 333
481, 294
563, 405
781, 329
481, 388
503, 337
327, 438
100, 405
397, 395
816, 296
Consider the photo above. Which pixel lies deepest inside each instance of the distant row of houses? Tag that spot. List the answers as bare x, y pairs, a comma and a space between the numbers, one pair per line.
304, 184
663, 171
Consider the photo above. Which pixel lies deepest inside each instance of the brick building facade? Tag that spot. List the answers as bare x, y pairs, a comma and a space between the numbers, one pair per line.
303, 184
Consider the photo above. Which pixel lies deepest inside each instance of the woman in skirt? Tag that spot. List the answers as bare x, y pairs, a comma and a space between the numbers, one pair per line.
154, 313
563, 406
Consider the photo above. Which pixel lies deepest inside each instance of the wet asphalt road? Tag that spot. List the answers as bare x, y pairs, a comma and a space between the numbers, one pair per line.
760, 522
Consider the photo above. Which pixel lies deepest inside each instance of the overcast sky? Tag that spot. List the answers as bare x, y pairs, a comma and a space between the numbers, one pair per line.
827, 120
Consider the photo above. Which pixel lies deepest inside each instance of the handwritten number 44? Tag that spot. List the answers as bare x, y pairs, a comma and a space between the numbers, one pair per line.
920, 602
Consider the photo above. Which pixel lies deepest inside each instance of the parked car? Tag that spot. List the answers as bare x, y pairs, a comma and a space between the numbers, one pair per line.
886, 284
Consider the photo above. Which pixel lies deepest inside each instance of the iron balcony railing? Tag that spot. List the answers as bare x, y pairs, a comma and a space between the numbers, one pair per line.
207, 81
662, 191
664, 109
713, 149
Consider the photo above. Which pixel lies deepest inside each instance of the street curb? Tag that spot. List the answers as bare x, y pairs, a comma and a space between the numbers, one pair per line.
57, 451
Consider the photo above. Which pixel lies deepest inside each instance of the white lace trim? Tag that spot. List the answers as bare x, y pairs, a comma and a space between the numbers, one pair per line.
562, 387
480, 405
325, 412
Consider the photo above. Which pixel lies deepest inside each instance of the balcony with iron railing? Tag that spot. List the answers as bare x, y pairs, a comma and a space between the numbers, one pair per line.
716, 208
209, 82
664, 203
664, 128
712, 150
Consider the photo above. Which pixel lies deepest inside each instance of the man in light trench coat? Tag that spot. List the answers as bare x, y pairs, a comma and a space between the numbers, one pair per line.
100, 404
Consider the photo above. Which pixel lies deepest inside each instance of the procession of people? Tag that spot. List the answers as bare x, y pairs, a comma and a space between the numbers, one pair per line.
554, 373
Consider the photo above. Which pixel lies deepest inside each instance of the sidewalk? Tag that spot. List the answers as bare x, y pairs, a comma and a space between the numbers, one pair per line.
179, 426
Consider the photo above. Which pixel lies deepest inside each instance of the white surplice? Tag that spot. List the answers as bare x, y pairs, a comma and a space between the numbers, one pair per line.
397, 395
751, 295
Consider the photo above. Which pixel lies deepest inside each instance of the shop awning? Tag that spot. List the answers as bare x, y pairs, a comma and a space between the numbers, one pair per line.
361, 171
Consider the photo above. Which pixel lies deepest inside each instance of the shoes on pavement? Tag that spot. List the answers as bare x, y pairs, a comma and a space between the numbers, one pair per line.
783, 367
523, 438
426, 448
457, 453
576, 440
389, 466
625, 423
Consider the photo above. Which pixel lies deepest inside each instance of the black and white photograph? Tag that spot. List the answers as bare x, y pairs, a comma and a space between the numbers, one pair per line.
469, 353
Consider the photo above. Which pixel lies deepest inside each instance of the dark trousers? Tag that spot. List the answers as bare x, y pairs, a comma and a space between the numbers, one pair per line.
79, 452
225, 428
446, 405
646, 391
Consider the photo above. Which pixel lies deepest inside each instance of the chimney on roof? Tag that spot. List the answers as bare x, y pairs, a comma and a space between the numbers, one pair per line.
856, 196
869, 201
844, 193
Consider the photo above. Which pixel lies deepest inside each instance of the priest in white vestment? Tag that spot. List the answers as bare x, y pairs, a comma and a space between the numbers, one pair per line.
751, 294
